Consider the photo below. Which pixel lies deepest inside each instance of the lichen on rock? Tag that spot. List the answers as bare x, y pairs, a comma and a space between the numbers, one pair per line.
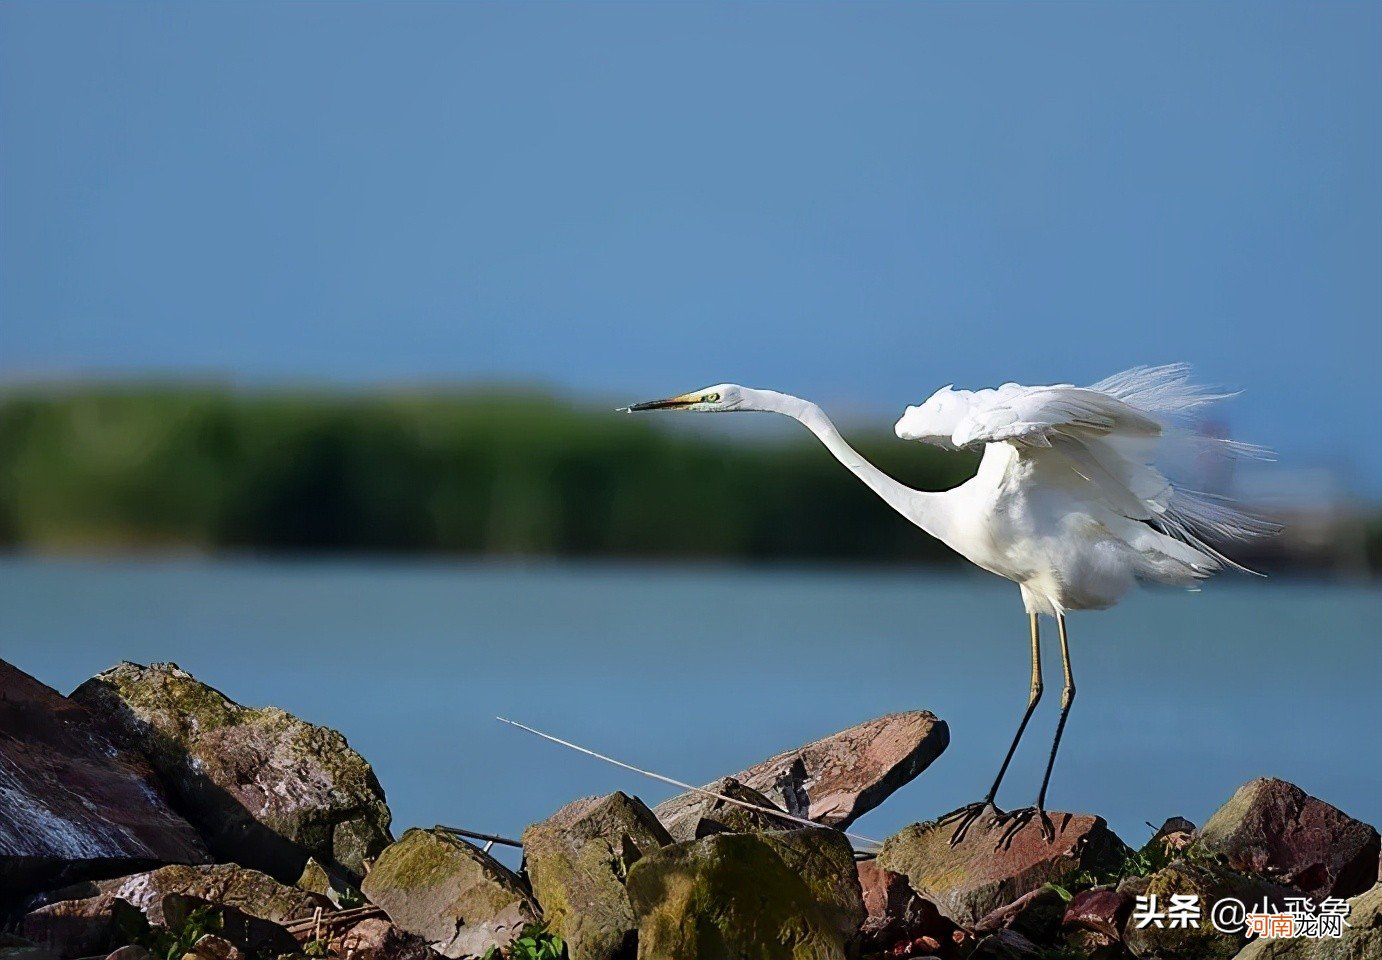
451, 894
577, 861
751, 896
987, 870
263, 787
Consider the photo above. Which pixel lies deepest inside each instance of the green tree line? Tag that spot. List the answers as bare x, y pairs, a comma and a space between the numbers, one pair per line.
468, 473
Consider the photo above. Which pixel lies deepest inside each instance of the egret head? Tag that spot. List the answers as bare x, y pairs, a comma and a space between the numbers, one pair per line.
721, 398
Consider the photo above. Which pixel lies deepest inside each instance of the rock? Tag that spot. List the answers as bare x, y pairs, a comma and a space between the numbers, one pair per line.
456, 897
1036, 915
264, 788
73, 927
894, 914
212, 947
981, 874
130, 952
1208, 883
1101, 911
690, 816
1276, 829
377, 939
76, 805
752, 896
17, 948
1005, 945
229, 885
314, 879
1362, 939
577, 860
253, 907
838, 779
1171, 838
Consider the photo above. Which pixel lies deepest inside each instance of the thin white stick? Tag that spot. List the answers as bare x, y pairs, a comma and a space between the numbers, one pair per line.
685, 786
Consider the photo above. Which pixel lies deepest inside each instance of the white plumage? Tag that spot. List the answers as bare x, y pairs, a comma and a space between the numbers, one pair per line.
1072, 500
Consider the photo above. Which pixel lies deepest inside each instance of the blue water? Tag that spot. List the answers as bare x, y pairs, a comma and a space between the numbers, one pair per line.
699, 671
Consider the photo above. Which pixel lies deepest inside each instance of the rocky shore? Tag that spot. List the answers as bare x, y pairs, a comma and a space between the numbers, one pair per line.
147, 815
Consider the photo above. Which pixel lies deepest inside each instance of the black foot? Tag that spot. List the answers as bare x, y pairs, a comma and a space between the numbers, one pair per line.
1017, 820
968, 815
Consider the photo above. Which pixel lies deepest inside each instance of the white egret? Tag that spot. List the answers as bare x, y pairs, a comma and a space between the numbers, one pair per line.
1068, 502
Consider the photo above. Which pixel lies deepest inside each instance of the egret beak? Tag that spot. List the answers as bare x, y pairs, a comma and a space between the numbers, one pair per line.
671, 403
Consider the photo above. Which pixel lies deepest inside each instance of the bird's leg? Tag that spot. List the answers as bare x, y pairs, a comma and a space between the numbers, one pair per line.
969, 814
1020, 818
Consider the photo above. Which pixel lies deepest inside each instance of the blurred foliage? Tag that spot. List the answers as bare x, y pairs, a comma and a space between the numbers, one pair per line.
474, 473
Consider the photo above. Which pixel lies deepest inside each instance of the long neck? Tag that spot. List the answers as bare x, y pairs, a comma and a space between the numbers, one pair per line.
919, 506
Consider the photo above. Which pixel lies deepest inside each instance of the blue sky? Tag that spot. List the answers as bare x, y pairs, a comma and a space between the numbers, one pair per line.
855, 203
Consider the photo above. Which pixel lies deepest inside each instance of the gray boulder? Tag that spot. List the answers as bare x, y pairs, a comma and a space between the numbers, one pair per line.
264, 788
783, 895
456, 897
76, 805
690, 816
839, 778
577, 861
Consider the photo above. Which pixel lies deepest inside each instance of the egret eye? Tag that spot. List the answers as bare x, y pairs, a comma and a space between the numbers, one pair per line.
711, 398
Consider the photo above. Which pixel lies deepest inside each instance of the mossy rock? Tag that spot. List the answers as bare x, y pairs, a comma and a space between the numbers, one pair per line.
779, 895
1362, 939
1208, 882
264, 788
86, 918
577, 860
451, 894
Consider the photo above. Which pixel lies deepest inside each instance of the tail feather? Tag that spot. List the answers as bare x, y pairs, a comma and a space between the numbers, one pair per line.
1205, 521
1164, 391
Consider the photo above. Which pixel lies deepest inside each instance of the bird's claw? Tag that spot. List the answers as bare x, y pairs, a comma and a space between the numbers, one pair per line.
1016, 820
968, 815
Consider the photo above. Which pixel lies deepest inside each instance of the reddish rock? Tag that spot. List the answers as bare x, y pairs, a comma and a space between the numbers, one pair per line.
838, 779
1006, 945
896, 916
76, 806
916, 947
1274, 828
377, 939
982, 873
1102, 911
1036, 915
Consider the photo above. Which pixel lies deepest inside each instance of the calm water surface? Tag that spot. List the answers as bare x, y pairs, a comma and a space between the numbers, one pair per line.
697, 672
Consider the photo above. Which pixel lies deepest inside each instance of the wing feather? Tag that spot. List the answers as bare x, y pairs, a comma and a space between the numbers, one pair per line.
1110, 434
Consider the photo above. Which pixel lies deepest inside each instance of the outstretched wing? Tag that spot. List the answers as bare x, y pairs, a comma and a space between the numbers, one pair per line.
1111, 434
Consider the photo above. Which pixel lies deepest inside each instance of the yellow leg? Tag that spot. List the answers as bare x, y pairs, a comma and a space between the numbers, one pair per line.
1067, 697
